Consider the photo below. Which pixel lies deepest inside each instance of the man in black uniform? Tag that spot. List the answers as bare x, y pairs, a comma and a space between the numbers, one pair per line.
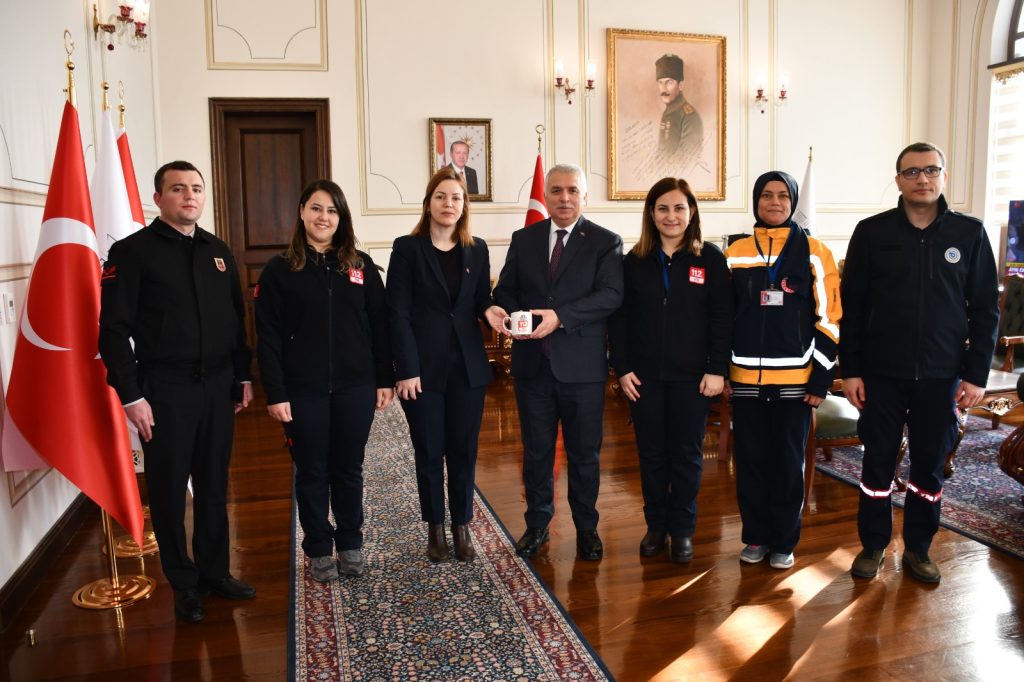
920, 315
173, 290
681, 130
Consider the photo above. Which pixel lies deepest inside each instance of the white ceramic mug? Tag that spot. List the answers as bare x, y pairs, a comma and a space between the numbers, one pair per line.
521, 323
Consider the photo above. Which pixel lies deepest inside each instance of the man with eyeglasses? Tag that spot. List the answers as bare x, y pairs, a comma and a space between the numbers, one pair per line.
920, 315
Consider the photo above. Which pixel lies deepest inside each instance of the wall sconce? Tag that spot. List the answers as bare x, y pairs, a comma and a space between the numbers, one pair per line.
761, 100
128, 24
562, 83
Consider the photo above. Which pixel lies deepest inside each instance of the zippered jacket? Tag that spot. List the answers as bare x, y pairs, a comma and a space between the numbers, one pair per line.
919, 304
679, 335
320, 329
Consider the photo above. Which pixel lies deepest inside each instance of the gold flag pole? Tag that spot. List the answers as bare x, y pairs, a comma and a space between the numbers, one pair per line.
115, 591
540, 131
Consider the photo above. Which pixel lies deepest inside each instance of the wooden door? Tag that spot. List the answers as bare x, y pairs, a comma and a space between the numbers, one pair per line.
265, 151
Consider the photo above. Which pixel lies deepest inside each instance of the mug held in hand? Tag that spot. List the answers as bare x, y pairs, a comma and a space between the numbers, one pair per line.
519, 323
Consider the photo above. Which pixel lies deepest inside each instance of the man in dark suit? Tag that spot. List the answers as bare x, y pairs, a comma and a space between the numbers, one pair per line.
567, 272
459, 151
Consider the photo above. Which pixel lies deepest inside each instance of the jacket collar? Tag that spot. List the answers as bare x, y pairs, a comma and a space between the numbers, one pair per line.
164, 230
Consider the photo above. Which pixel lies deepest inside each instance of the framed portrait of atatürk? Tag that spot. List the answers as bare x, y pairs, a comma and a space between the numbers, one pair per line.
666, 112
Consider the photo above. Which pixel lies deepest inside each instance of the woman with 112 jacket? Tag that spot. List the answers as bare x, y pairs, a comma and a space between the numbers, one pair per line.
325, 361
670, 348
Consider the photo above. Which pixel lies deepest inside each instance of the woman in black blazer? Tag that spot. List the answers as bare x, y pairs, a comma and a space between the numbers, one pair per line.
325, 362
670, 345
438, 286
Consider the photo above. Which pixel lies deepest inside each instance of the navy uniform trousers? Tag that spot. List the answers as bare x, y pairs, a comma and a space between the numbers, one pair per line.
327, 437
926, 408
769, 438
669, 419
192, 435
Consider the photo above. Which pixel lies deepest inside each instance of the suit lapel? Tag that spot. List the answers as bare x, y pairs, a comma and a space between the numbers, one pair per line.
468, 267
542, 234
435, 267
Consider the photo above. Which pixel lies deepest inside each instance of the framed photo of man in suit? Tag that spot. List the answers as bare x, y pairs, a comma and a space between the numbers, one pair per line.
666, 112
465, 145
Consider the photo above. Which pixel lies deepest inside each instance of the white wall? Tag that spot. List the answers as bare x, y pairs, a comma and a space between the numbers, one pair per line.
866, 79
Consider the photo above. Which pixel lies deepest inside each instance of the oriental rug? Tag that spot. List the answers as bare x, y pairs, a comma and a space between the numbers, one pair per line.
408, 619
978, 500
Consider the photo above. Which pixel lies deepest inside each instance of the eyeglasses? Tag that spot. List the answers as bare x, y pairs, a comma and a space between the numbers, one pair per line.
929, 172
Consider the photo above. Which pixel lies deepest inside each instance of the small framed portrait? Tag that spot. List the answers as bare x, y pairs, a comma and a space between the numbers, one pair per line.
465, 145
666, 112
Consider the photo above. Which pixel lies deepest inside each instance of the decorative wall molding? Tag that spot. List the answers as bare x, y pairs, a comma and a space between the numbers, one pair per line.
266, 35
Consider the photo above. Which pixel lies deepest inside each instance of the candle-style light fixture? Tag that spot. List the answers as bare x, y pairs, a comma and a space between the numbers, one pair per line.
128, 24
761, 99
568, 89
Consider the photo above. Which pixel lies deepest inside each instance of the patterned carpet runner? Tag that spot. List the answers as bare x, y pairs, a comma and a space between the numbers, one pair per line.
408, 619
979, 500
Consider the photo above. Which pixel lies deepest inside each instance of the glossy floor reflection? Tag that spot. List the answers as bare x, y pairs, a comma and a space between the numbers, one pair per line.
647, 618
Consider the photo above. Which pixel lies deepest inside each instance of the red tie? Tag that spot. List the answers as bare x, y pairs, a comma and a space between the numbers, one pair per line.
556, 253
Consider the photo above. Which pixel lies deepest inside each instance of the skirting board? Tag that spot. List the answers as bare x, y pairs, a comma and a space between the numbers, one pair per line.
17, 591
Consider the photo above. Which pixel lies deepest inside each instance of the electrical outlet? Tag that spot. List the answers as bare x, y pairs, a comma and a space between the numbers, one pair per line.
8, 311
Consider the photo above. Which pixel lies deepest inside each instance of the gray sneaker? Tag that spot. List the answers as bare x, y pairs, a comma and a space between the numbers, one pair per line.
779, 560
753, 554
351, 562
322, 569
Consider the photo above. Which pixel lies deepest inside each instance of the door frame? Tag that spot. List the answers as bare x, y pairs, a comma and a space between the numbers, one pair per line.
222, 107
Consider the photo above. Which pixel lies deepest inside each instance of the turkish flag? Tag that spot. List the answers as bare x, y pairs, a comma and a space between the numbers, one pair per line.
59, 405
111, 207
439, 149
538, 209
131, 184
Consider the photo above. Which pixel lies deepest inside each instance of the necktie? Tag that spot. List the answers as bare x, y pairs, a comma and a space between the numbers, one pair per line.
556, 253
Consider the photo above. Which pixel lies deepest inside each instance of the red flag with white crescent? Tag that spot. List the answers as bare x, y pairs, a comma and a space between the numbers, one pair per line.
130, 182
538, 208
59, 405
440, 156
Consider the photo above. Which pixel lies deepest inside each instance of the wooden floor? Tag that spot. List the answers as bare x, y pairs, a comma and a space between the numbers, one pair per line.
647, 618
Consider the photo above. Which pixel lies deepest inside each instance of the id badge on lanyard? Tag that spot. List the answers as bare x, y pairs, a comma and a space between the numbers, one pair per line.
771, 297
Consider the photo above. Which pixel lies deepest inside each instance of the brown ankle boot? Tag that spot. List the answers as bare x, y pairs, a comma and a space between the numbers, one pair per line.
437, 543
463, 543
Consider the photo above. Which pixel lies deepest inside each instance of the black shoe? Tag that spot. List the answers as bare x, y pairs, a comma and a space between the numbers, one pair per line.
653, 543
531, 541
188, 606
682, 549
588, 545
228, 588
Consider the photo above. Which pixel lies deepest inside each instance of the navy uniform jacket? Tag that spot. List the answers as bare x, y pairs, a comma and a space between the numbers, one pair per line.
586, 289
423, 317
321, 330
919, 304
178, 298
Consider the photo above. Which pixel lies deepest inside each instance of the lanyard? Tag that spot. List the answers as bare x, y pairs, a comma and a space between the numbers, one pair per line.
666, 262
773, 270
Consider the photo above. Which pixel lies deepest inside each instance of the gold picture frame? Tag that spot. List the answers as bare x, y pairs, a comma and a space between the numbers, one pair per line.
475, 134
656, 129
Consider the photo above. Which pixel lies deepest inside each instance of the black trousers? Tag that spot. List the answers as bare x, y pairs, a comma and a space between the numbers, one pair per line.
669, 420
769, 437
544, 402
191, 438
926, 408
327, 437
444, 427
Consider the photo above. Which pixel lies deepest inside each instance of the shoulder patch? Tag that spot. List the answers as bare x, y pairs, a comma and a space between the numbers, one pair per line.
688, 108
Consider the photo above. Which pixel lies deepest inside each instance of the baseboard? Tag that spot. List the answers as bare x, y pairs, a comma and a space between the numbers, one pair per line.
17, 591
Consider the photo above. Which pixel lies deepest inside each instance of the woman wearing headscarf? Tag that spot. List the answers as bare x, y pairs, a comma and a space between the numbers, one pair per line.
670, 349
325, 362
785, 335
438, 288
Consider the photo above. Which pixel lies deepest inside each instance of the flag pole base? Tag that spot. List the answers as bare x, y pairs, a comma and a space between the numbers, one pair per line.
103, 594
125, 546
